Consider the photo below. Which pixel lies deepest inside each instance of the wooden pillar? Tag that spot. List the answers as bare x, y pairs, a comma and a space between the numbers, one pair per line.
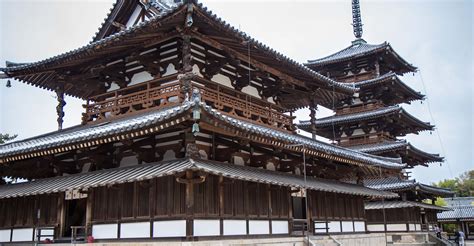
221, 203
308, 210
189, 204
60, 107
89, 207
312, 115
269, 197
61, 214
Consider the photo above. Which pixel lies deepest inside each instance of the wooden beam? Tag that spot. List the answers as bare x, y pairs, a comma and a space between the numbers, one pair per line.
243, 57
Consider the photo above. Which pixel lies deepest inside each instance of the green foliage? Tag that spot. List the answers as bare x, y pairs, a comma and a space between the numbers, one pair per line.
6, 137
438, 202
462, 185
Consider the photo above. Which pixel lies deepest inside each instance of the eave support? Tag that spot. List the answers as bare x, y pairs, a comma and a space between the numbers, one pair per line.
60, 107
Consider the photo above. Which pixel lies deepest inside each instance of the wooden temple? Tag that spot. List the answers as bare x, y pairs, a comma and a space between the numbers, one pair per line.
187, 133
372, 121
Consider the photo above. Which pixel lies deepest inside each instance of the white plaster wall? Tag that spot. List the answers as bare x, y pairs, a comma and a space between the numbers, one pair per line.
206, 228
270, 100
239, 161
222, 80
359, 226
22, 235
375, 227
135, 230
396, 227
5, 235
105, 231
250, 90
235, 227
171, 228
169, 155
347, 226
358, 132
197, 71
140, 78
334, 226
279, 227
320, 227
113, 87
271, 166
170, 69
129, 161
259, 227
47, 232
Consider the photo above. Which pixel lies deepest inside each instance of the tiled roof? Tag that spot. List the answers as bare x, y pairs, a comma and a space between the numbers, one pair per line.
396, 184
402, 204
91, 133
381, 147
308, 142
150, 171
389, 78
388, 146
462, 213
82, 133
358, 48
162, 6
367, 115
460, 201
70, 55
354, 50
107, 41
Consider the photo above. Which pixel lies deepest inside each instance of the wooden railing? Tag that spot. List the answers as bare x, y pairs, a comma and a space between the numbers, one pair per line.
244, 106
359, 108
166, 91
370, 138
155, 93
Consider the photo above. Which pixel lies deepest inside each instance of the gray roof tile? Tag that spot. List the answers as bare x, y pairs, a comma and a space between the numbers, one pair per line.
81, 133
367, 115
402, 204
153, 170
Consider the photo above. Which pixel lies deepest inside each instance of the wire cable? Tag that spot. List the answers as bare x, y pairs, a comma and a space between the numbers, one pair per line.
443, 150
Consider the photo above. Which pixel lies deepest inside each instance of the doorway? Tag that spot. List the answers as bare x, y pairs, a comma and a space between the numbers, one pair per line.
75, 215
299, 207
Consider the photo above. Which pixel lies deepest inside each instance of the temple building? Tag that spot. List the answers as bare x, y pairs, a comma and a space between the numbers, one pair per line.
373, 122
187, 134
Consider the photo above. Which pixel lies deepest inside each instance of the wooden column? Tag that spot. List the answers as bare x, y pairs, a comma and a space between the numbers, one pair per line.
89, 207
189, 204
61, 214
221, 203
312, 115
60, 107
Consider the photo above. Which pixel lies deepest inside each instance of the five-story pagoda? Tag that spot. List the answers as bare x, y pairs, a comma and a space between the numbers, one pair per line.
372, 122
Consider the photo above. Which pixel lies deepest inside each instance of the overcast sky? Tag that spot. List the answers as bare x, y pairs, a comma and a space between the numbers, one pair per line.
435, 36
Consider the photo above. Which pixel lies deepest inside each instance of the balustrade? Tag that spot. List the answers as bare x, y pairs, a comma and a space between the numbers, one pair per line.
167, 91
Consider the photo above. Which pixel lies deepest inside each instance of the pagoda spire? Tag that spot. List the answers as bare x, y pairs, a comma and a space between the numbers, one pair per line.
356, 19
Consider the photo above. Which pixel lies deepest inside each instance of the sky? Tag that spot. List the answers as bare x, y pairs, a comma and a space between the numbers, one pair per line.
436, 36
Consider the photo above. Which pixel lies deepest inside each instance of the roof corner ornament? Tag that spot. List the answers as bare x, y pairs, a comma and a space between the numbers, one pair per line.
356, 19
189, 15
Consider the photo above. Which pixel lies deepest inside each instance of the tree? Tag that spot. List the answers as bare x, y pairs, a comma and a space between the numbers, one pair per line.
461, 186
6, 137
438, 202
3, 139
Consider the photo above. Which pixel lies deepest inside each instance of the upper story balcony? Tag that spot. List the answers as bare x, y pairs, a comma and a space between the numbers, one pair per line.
167, 91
